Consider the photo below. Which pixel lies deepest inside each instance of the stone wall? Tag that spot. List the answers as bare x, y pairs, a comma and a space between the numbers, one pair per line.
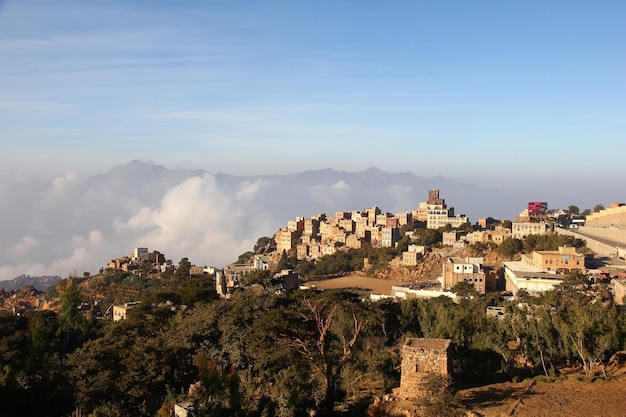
611, 217
419, 358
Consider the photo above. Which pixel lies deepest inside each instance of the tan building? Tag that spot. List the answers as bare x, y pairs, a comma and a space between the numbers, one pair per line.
404, 218
411, 258
354, 242
389, 237
457, 270
381, 219
302, 251
371, 215
563, 260
120, 312
437, 214
348, 225
522, 229
296, 225
496, 236
450, 238
311, 226
286, 239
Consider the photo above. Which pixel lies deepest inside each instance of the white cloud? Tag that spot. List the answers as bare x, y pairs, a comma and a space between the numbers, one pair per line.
71, 225
64, 180
25, 246
204, 222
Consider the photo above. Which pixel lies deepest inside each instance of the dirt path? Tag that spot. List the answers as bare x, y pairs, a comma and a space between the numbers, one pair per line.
371, 285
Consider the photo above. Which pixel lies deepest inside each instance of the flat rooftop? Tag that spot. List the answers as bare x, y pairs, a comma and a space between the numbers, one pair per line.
428, 343
521, 266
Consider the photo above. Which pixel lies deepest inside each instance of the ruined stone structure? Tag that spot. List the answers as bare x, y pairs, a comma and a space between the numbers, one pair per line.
419, 358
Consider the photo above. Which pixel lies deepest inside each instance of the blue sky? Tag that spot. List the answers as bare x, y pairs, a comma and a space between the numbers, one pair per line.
476, 91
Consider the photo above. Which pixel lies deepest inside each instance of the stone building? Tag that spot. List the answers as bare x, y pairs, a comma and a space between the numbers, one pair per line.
419, 358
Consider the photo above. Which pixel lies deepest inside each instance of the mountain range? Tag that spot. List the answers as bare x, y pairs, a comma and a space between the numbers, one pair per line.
69, 224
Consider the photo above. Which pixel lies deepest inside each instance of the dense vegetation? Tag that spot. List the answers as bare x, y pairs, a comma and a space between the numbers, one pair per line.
266, 354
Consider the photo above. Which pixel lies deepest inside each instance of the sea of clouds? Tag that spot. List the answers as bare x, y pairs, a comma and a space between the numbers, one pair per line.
70, 225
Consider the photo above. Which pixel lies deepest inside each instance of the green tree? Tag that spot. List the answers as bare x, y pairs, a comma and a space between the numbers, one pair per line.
327, 334
71, 322
510, 247
245, 257
262, 243
183, 271
427, 237
572, 209
598, 207
440, 398
465, 289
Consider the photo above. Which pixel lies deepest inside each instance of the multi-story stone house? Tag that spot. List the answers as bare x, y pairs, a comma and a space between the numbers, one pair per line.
302, 251
371, 215
339, 235
437, 214
496, 236
342, 215
520, 230
404, 218
326, 231
354, 242
413, 254
457, 270
233, 273
381, 219
286, 239
450, 238
348, 225
315, 250
330, 248
389, 237
296, 225
311, 227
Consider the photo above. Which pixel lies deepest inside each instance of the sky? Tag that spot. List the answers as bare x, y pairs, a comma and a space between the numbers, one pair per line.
526, 99
480, 91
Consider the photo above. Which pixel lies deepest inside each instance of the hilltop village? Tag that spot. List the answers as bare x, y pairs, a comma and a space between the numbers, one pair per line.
434, 251
460, 301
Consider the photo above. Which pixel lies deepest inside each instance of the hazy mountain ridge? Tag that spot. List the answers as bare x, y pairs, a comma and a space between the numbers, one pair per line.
41, 283
70, 225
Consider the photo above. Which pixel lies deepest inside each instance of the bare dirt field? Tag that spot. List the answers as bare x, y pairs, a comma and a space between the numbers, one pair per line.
371, 285
567, 396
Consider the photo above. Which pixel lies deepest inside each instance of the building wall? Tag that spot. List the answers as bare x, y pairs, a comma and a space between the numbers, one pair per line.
411, 258
614, 216
421, 357
522, 229
565, 258
532, 285
619, 291
457, 270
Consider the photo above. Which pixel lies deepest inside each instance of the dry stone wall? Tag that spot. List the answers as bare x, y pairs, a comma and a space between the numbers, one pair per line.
419, 358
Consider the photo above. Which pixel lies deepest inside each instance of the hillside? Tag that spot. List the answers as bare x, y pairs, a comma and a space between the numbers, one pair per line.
567, 396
